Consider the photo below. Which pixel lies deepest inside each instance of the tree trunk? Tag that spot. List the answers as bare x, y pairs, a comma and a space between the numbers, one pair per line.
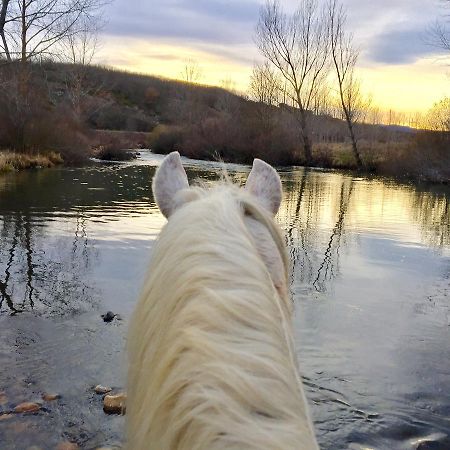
356, 154
305, 137
24, 32
2, 28
355, 147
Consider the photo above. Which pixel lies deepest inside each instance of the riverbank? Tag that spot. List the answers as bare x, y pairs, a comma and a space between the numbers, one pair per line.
421, 156
88, 111
409, 160
13, 161
406, 160
398, 160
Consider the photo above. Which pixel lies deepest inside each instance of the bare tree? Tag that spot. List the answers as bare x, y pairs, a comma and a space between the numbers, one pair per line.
37, 27
440, 36
228, 100
323, 102
228, 84
80, 47
265, 86
344, 57
191, 72
297, 46
266, 90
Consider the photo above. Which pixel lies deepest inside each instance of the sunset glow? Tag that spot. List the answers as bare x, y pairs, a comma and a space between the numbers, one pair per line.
397, 67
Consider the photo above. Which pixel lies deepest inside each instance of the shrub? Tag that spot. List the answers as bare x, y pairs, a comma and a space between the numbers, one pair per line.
114, 153
166, 140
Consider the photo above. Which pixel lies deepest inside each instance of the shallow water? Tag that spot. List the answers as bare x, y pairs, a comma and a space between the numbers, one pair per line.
370, 281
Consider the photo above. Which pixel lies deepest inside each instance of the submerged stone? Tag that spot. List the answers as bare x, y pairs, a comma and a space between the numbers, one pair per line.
50, 397
108, 448
108, 317
27, 407
99, 389
66, 445
114, 403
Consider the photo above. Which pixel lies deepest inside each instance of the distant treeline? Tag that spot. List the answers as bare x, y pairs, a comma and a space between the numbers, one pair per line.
78, 109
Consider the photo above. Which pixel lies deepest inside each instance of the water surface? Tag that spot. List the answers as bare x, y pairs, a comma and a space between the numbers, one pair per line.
370, 282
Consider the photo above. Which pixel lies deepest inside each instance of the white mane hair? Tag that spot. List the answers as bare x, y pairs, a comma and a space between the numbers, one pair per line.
211, 357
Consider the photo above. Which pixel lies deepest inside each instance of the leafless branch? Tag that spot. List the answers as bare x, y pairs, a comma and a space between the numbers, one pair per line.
344, 57
297, 46
191, 72
37, 27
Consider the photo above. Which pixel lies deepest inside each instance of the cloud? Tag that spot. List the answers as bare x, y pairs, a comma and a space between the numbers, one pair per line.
391, 32
399, 47
159, 56
212, 21
235, 11
387, 32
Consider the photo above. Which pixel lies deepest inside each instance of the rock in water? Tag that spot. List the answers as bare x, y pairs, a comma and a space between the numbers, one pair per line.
66, 445
99, 389
27, 407
114, 403
50, 397
110, 447
108, 317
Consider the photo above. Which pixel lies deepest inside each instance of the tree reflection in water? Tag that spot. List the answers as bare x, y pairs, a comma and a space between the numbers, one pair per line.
42, 269
319, 207
329, 267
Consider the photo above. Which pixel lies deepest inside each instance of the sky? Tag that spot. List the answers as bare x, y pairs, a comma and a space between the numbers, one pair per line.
396, 65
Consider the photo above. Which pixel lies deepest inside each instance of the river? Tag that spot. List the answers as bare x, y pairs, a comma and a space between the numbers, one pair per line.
370, 281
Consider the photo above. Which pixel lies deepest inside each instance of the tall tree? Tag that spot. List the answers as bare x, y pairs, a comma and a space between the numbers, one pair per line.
37, 27
344, 57
297, 46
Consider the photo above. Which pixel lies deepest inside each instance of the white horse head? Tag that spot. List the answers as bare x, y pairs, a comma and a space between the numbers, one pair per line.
212, 364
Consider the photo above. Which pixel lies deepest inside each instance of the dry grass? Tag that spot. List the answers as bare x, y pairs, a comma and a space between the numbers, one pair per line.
11, 161
418, 158
373, 154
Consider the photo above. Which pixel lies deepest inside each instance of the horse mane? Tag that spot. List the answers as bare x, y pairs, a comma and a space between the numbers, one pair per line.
210, 345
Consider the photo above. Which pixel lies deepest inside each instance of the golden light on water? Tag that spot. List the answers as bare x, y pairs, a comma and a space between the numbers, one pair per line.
379, 207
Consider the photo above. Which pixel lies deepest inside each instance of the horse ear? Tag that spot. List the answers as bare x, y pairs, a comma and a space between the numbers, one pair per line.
265, 184
169, 179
